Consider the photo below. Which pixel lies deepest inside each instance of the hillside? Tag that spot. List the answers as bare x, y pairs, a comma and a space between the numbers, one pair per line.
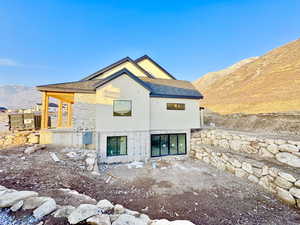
16, 96
266, 84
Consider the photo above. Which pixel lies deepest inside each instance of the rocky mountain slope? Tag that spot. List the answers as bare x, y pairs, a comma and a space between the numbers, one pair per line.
266, 84
16, 96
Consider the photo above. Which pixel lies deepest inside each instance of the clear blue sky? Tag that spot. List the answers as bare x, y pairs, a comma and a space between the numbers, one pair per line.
52, 41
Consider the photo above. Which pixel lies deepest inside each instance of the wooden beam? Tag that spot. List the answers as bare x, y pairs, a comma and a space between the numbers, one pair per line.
65, 97
59, 114
70, 115
45, 103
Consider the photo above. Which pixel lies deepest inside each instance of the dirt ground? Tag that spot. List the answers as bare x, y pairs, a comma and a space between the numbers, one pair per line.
170, 188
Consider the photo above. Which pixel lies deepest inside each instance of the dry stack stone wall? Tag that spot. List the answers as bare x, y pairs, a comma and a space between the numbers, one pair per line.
272, 163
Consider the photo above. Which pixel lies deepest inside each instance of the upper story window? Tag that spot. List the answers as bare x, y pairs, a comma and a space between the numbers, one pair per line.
122, 108
175, 106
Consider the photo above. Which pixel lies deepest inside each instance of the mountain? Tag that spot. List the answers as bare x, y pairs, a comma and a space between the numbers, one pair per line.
17, 96
265, 84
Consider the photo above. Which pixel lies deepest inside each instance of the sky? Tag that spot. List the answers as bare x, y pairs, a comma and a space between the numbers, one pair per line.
53, 41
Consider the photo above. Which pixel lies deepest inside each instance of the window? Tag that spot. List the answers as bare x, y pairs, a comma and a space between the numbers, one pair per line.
116, 145
168, 144
122, 108
175, 106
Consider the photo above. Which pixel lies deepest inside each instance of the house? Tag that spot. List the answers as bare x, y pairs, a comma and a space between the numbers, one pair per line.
52, 107
129, 110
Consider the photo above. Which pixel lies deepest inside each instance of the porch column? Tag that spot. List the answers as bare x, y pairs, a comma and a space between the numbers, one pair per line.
70, 115
59, 114
45, 104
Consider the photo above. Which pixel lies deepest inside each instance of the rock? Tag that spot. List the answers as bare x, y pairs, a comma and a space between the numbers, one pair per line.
263, 152
236, 163
285, 196
34, 202
288, 158
46, 208
287, 176
32, 149
125, 219
279, 141
8, 199
297, 183
83, 212
253, 179
265, 171
236, 145
273, 171
17, 206
64, 211
273, 148
257, 172
99, 220
288, 148
114, 217
283, 183
119, 209
247, 167
240, 173
295, 192
132, 213
90, 162
105, 205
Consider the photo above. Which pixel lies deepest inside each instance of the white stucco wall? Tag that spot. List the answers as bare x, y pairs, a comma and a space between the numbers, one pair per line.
122, 88
162, 119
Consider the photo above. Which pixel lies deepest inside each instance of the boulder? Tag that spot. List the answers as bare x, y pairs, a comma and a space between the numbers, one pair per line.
99, 220
32, 149
46, 208
283, 183
105, 205
253, 179
247, 167
297, 183
295, 192
273, 171
9, 199
288, 159
119, 209
64, 211
288, 148
273, 148
236, 145
34, 202
240, 173
236, 163
125, 219
263, 152
285, 196
83, 212
17, 206
287, 176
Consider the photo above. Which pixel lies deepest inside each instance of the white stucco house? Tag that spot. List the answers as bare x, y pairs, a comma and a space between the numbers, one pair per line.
134, 110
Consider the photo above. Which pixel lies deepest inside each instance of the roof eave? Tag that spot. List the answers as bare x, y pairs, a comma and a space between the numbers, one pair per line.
175, 96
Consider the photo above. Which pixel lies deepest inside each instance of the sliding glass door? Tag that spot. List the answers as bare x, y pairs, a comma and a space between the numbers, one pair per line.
168, 144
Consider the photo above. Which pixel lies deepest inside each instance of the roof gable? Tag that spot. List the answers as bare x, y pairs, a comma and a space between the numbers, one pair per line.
125, 63
153, 68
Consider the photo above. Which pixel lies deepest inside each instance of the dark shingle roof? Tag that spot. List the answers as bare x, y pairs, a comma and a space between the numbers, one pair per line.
165, 88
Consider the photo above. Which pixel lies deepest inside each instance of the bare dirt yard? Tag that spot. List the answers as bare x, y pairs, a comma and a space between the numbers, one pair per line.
170, 188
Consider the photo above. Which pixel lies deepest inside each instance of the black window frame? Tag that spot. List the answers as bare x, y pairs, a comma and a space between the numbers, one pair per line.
118, 141
120, 100
160, 155
174, 106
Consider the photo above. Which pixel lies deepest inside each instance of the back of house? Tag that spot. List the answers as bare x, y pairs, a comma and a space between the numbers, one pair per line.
131, 110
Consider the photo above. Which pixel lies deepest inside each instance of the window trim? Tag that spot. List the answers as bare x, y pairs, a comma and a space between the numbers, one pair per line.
118, 140
123, 101
168, 134
170, 106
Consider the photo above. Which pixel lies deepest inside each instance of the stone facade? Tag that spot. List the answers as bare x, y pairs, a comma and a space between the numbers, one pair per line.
19, 139
272, 163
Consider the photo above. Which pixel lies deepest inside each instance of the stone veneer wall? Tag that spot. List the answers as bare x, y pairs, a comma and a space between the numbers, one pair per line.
272, 163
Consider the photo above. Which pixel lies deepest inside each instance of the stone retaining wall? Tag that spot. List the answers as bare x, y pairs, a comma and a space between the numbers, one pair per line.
257, 159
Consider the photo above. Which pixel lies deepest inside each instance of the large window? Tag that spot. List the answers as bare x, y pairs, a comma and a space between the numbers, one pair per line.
168, 144
175, 106
116, 145
122, 108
